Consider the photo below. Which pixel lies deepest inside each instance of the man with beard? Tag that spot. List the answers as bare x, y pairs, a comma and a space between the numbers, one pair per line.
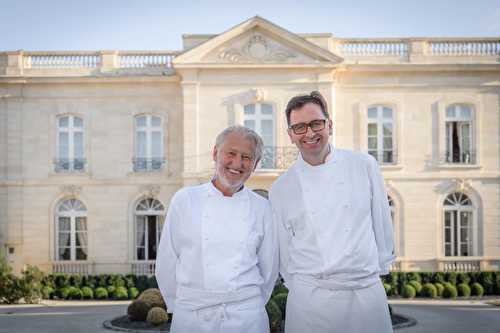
217, 261
335, 230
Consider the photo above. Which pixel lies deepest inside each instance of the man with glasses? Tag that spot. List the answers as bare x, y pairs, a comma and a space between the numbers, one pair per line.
335, 230
218, 261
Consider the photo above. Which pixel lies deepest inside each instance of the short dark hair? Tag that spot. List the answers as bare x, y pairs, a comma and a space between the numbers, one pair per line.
299, 101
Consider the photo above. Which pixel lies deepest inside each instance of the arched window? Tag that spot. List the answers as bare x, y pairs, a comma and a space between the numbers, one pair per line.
70, 144
459, 135
148, 143
260, 118
458, 219
71, 230
149, 217
381, 134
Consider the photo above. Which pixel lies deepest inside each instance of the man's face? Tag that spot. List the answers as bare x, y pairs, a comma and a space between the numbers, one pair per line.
312, 145
234, 161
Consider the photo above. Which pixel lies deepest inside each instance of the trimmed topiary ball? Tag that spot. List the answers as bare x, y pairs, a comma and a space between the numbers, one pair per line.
157, 316
408, 291
101, 293
111, 291
429, 290
153, 298
477, 289
133, 293
87, 293
74, 293
463, 290
275, 316
138, 310
48, 292
415, 284
450, 291
121, 293
439, 288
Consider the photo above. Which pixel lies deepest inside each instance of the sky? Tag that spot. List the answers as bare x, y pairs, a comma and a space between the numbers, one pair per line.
47, 25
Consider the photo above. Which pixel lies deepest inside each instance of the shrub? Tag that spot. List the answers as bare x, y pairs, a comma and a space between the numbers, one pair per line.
387, 288
463, 278
439, 288
121, 293
275, 316
138, 310
75, 281
31, 284
102, 280
74, 293
157, 316
426, 277
141, 283
415, 284
133, 293
414, 276
487, 280
48, 292
111, 291
463, 290
438, 277
477, 289
129, 281
449, 291
87, 293
64, 293
279, 288
280, 300
10, 291
451, 277
429, 290
408, 291
61, 281
152, 284
153, 298
101, 293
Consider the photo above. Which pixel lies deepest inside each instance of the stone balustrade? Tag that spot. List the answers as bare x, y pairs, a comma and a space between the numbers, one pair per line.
143, 267
349, 48
41, 60
72, 267
464, 47
145, 59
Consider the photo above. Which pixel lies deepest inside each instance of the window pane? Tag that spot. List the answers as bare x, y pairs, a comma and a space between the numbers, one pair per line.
464, 234
450, 112
387, 114
249, 109
81, 224
141, 254
387, 129
141, 144
266, 109
387, 143
447, 250
372, 129
64, 253
63, 122
140, 121
156, 141
372, 113
81, 253
78, 141
63, 145
267, 132
447, 235
64, 223
250, 124
465, 112
388, 158
64, 239
155, 121
372, 143
464, 250
77, 122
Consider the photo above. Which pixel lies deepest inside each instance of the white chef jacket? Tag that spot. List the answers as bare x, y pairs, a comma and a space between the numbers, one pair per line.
216, 249
333, 221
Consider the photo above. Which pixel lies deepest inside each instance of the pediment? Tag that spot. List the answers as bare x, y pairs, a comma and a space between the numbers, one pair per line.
256, 42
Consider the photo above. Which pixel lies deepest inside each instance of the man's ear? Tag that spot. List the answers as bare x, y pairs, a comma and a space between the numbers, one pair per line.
214, 154
289, 131
330, 127
255, 165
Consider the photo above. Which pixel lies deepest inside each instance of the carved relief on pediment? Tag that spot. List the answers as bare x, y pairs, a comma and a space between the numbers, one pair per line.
258, 49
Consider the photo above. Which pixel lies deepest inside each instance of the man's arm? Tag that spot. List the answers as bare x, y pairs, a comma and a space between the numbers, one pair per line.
282, 239
166, 258
268, 254
381, 217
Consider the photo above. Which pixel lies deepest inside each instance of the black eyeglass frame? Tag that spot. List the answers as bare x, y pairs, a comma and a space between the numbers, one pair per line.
309, 124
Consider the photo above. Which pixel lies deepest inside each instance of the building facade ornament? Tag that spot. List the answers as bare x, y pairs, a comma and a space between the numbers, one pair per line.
257, 49
151, 190
71, 190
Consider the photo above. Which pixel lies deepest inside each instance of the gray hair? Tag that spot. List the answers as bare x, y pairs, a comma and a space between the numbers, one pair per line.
245, 133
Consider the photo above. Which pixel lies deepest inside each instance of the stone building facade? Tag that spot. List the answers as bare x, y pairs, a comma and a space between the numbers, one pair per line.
94, 144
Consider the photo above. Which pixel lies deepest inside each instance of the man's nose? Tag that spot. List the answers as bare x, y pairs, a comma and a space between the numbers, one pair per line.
309, 131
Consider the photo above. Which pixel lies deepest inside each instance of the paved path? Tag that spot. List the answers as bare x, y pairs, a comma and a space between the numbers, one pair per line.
87, 317
447, 317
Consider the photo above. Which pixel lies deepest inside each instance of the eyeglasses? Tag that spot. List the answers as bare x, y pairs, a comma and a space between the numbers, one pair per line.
301, 128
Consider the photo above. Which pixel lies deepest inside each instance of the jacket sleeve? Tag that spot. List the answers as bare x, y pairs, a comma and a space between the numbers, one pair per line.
282, 238
268, 254
167, 256
381, 218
